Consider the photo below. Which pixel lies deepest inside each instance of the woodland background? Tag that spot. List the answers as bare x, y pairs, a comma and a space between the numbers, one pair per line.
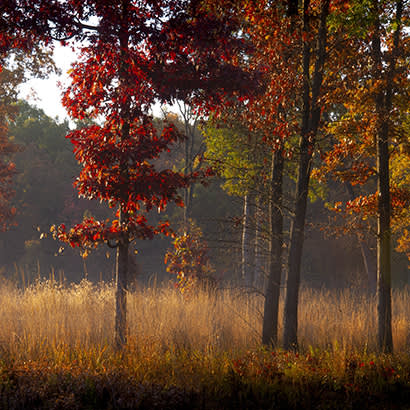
45, 195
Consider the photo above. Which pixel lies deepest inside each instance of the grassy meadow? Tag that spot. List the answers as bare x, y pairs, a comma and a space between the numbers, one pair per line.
200, 350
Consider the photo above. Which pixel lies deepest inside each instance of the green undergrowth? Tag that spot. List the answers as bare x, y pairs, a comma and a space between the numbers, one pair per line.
152, 377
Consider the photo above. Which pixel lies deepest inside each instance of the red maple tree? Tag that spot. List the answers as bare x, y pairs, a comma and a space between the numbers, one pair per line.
131, 55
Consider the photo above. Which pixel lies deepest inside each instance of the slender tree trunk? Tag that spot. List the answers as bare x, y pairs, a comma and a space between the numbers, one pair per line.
258, 275
187, 170
190, 125
247, 271
121, 280
310, 125
271, 308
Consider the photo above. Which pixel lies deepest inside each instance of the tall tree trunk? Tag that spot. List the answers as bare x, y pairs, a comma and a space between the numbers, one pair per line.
247, 251
385, 341
271, 308
121, 270
383, 102
310, 125
295, 251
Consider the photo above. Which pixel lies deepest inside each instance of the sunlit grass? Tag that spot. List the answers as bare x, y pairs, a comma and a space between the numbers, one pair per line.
346, 319
48, 313
200, 350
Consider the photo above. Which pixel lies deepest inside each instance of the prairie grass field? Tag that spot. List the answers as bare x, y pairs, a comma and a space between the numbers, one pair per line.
200, 350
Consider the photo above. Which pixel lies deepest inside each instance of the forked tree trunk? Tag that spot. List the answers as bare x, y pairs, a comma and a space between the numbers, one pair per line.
190, 155
272, 293
310, 125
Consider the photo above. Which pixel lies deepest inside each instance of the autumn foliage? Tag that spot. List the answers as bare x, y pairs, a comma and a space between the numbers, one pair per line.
356, 118
189, 260
128, 65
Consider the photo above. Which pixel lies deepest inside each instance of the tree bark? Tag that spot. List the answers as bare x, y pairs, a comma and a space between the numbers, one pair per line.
247, 250
292, 8
258, 277
295, 250
190, 155
188, 191
121, 280
121, 271
385, 340
310, 125
383, 103
271, 308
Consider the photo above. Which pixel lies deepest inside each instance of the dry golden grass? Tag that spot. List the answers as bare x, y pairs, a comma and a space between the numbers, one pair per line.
346, 319
48, 315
